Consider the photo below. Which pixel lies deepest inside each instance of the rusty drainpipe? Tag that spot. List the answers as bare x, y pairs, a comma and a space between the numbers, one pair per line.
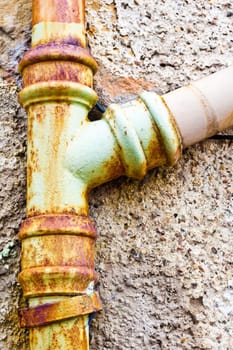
68, 155
58, 238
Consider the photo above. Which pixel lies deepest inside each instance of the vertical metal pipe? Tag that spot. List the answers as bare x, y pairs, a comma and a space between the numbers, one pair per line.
57, 237
61, 21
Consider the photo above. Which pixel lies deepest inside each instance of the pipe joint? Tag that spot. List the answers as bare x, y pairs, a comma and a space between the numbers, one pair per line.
63, 62
42, 315
166, 125
54, 91
129, 140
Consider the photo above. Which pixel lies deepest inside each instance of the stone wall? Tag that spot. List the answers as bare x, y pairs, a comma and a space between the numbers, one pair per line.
164, 254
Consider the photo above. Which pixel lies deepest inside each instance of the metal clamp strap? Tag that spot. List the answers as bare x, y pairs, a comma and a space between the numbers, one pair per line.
48, 313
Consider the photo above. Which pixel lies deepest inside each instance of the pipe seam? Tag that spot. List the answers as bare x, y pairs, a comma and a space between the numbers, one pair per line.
58, 91
53, 312
131, 151
166, 125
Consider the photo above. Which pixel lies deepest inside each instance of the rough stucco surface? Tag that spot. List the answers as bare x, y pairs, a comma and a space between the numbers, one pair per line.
165, 248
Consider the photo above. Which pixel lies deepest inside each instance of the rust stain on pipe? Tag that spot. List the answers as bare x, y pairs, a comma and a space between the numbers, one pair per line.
57, 224
62, 51
60, 21
59, 70
66, 11
75, 337
51, 312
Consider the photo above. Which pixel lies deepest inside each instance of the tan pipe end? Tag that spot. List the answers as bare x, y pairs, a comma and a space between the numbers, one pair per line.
203, 108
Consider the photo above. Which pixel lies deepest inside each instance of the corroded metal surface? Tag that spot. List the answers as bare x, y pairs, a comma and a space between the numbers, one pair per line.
67, 334
56, 110
58, 21
63, 52
58, 62
57, 280
165, 122
67, 92
67, 71
57, 224
57, 255
58, 239
61, 310
129, 140
58, 11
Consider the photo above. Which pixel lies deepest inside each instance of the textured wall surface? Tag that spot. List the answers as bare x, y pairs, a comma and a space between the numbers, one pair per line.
165, 248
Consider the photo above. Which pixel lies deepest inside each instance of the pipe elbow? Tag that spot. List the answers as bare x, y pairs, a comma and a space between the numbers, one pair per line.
129, 140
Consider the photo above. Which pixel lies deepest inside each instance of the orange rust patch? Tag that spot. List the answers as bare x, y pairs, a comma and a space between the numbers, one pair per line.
56, 280
57, 224
178, 134
58, 52
58, 250
55, 155
58, 11
114, 168
156, 153
57, 70
65, 309
48, 126
33, 154
29, 179
74, 334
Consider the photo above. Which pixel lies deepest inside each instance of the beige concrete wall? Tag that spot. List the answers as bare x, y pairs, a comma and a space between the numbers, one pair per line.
165, 249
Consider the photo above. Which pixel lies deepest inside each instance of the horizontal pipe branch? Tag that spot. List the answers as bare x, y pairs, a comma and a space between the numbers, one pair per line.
151, 130
204, 107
